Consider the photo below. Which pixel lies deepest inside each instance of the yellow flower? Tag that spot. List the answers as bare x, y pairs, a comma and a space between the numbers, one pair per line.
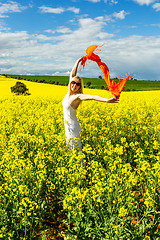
147, 238
122, 212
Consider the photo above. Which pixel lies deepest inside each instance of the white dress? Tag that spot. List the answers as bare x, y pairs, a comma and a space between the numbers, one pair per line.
72, 127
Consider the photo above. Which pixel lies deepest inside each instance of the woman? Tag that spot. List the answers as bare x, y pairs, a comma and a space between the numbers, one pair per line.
70, 104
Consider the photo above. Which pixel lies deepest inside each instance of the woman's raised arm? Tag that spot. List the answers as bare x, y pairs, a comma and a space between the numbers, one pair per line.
74, 69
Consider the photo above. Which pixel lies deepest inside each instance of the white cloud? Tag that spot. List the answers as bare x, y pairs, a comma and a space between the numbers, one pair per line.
58, 10
24, 53
74, 10
120, 15
94, 1
109, 18
156, 6
10, 7
114, 16
147, 2
100, 18
50, 31
61, 29
155, 25
88, 29
104, 35
110, 1
2, 28
113, 1
132, 27
40, 37
51, 10
137, 54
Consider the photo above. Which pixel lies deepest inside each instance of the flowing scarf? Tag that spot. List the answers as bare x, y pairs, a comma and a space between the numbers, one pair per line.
113, 87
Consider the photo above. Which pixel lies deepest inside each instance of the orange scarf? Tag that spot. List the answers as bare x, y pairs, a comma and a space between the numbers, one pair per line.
114, 88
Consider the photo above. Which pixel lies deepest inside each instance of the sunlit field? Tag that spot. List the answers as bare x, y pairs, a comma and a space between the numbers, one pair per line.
42, 185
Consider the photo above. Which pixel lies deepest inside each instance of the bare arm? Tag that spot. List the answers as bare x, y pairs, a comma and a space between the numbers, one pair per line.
74, 69
84, 97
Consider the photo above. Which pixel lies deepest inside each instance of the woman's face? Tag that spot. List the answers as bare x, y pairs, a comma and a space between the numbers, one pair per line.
75, 85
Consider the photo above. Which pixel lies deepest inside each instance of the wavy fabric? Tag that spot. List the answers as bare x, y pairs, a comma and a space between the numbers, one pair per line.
113, 87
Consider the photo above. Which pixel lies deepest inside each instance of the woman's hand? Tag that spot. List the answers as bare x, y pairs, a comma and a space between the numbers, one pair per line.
80, 59
112, 100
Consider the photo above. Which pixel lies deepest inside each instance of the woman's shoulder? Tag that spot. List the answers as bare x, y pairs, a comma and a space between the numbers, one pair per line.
74, 97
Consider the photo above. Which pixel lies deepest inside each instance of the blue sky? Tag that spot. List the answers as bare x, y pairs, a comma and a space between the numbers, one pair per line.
46, 37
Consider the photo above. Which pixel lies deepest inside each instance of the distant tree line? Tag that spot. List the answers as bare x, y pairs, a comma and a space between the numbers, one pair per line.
36, 80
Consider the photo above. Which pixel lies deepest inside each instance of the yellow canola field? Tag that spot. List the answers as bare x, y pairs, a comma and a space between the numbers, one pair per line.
36, 89
117, 195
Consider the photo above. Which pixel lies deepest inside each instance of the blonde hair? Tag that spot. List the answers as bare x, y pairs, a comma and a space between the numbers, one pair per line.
80, 90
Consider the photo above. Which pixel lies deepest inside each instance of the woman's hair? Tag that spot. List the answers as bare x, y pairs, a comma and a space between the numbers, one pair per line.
80, 90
